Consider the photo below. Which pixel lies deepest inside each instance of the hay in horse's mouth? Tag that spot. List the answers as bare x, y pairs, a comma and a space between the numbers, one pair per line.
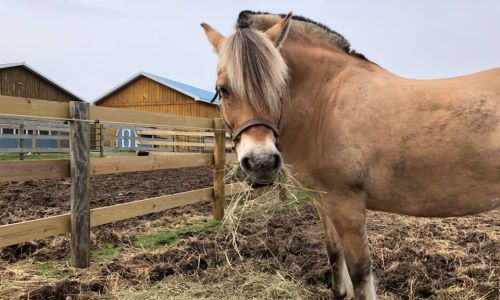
263, 201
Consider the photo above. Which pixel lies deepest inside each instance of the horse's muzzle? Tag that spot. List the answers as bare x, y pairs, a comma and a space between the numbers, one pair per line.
262, 168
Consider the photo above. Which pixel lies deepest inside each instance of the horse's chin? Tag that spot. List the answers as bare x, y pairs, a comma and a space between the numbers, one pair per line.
260, 183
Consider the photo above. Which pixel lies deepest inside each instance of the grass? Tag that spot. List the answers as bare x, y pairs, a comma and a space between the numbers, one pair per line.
171, 236
14, 156
105, 252
48, 269
296, 198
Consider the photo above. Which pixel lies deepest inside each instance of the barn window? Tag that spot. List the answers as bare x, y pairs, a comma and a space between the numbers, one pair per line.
9, 131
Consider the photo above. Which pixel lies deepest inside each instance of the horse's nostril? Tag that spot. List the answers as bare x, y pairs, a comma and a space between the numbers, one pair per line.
245, 163
277, 161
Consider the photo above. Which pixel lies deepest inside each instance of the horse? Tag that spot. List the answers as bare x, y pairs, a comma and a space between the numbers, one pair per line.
293, 91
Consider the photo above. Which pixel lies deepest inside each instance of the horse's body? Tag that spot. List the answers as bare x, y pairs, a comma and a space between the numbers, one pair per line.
416, 147
370, 139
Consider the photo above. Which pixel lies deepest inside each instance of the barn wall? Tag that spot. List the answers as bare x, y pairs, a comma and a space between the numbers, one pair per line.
31, 86
144, 94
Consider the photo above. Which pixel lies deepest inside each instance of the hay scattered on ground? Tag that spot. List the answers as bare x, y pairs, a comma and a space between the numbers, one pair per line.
276, 250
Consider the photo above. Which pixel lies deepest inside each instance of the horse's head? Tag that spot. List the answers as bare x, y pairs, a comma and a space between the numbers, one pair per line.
252, 84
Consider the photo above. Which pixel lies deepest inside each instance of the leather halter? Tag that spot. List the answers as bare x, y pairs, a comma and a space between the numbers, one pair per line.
236, 134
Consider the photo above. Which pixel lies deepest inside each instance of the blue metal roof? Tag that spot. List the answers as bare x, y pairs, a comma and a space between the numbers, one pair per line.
200, 94
196, 93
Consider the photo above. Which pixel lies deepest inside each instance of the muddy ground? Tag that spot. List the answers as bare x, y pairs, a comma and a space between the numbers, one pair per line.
279, 252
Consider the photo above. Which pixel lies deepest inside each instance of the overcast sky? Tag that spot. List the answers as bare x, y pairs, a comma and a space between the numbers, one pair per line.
91, 46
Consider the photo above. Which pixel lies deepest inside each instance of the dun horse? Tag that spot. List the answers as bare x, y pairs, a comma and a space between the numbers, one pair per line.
369, 138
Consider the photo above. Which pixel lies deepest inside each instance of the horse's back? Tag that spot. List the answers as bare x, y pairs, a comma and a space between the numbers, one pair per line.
441, 156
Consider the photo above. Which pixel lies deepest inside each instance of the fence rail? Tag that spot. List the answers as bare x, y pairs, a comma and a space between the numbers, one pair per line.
37, 150
80, 166
33, 137
16, 233
59, 169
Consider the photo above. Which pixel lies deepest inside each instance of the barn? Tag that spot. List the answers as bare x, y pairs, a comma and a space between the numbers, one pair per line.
22, 80
153, 93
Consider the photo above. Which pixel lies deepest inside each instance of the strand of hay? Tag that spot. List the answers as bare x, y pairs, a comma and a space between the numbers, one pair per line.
262, 203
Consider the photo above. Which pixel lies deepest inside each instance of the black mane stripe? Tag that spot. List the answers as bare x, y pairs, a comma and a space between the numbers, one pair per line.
245, 21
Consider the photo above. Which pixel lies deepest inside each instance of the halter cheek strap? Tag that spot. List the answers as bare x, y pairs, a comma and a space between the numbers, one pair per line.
255, 122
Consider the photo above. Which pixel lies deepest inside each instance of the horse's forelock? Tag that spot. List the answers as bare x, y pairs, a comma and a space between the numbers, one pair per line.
256, 70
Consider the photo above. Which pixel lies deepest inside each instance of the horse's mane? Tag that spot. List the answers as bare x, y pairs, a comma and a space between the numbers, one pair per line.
257, 71
264, 20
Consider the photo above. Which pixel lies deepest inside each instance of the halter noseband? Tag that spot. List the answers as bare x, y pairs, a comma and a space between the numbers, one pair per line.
236, 134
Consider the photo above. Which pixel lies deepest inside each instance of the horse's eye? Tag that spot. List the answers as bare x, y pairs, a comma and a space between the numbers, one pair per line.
223, 92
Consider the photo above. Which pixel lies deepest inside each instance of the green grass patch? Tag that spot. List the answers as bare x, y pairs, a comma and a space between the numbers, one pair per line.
35, 156
171, 236
107, 251
296, 198
48, 269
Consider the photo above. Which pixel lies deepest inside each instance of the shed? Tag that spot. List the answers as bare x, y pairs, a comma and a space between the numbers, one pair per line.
22, 80
152, 93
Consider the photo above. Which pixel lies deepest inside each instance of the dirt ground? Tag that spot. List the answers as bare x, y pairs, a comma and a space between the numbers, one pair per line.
279, 252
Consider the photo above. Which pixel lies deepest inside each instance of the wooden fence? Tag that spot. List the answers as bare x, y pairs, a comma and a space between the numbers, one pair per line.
33, 136
80, 167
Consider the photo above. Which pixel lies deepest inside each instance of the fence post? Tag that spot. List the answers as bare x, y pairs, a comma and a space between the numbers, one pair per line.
101, 140
21, 141
219, 162
80, 171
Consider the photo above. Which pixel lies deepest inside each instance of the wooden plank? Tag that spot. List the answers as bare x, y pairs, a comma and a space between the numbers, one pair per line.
53, 125
80, 185
219, 162
21, 142
27, 231
33, 170
101, 140
169, 133
40, 150
126, 116
179, 144
16, 233
32, 108
118, 164
129, 210
58, 169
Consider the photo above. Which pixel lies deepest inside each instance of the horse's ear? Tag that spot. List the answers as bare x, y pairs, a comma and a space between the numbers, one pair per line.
214, 37
278, 32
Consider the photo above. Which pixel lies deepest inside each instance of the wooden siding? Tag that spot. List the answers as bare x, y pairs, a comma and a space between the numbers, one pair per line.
144, 94
20, 82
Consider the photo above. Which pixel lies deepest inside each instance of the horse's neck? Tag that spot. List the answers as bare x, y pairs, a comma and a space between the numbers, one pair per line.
317, 76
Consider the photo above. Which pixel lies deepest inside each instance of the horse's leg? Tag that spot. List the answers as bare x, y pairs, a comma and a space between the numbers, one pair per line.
348, 213
341, 282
